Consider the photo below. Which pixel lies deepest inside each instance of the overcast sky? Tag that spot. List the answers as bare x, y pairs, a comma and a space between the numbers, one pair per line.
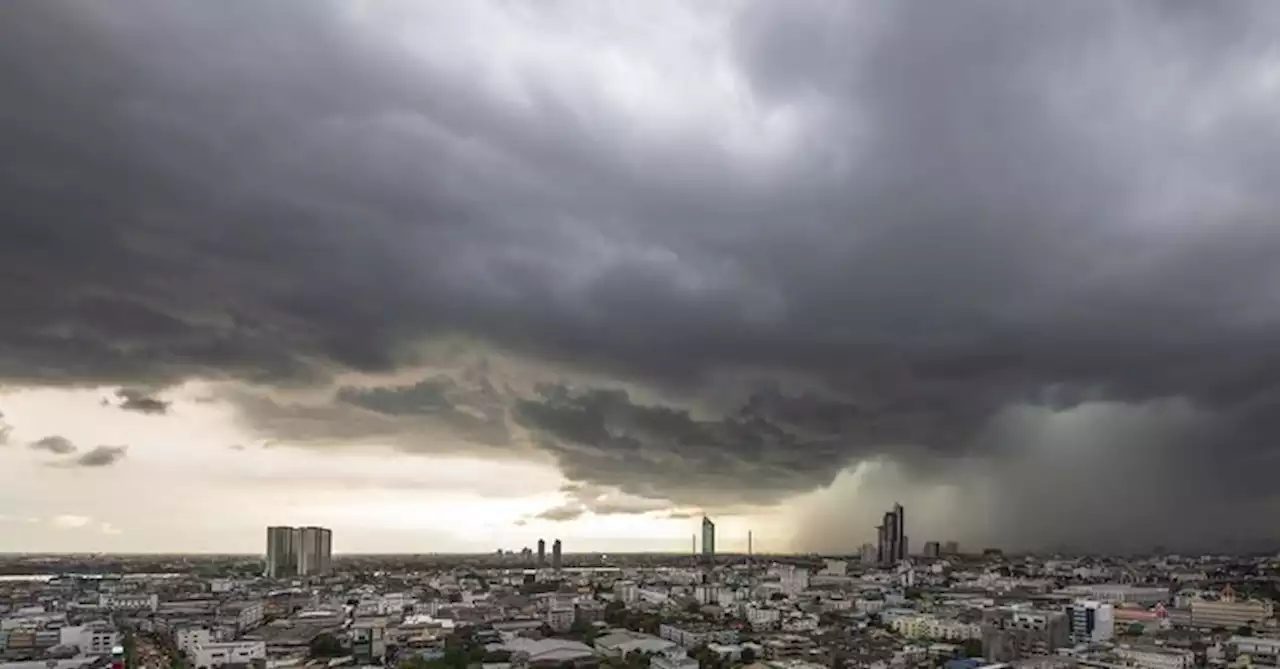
458, 275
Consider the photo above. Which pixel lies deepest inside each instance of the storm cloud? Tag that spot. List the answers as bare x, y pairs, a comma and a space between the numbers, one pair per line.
138, 401
54, 444
101, 456
757, 245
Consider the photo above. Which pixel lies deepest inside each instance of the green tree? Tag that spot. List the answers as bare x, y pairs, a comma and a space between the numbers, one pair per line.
973, 648
615, 613
1244, 630
1135, 629
748, 655
326, 645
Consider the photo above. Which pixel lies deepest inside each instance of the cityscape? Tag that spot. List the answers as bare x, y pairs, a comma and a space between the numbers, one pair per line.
639, 334
297, 604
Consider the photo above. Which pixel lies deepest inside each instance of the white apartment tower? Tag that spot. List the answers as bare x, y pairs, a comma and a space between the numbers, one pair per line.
298, 551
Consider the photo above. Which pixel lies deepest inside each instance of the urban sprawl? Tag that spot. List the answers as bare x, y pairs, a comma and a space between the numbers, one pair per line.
884, 607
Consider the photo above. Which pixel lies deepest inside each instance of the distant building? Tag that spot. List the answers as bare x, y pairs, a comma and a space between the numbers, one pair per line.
217, 654
932, 549
951, 548
793, 579
1091, 621
673, 658
1155, 657
835, 568
298, 551
892, 536
1229, 612
282, 552
868, 554
708, 540
556, 559
315, 550
129, 602
1119, 593
92, 639
542, 553
1009, 635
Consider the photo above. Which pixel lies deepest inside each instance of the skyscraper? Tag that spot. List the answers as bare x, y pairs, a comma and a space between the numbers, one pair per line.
555, 555
708, 540
892, 536
542, 553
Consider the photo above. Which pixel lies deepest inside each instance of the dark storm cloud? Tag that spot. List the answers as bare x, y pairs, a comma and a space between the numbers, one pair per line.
140, 402
773, 446
54, 444
100, 456
582, 499
924, 213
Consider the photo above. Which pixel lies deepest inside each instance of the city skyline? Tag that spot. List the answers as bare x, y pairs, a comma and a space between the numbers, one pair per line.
595, 271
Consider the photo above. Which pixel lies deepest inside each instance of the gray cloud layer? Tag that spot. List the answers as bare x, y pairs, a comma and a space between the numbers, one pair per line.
908, 218
101, 456
54, 444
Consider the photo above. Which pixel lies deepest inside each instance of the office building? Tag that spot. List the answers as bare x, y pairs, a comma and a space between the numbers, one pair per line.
708, 540
1091, 621
892, 536
555, 555
299, 551
542, 553
951, 548
932, 549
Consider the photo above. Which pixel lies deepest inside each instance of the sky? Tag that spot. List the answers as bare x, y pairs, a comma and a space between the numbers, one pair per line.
456, 276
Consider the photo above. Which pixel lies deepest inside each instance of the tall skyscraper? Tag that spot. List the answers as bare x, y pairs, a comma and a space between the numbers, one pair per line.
555, 555
901, 515
542, 553
282, 553
708, 540
299, 551
891, 536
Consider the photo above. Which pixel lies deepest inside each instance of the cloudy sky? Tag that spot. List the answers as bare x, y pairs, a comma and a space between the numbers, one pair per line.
458, 275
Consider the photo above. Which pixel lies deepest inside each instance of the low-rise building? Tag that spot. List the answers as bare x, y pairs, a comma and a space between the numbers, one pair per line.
187, 639
1157, 658
217, 654
129, 602
693, 636
560, 618
673, 658
92, 639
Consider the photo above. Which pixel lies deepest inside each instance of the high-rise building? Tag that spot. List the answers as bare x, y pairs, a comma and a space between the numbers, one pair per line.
708, 540
951, 548
555, 555
932, 549
299, 551
891, 536
282, 553
542, 553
